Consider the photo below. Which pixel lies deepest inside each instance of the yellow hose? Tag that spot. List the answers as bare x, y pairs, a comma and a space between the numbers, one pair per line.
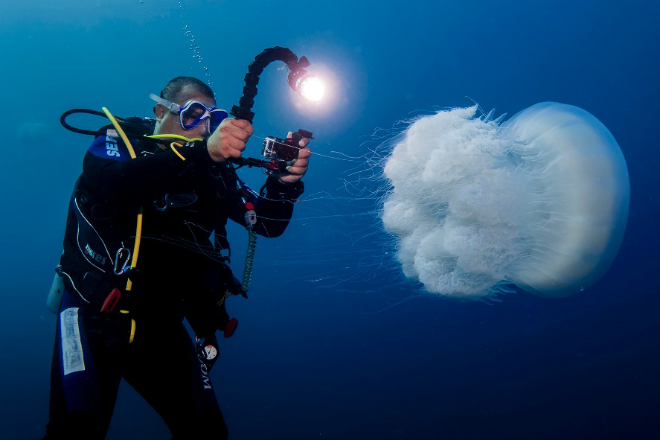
120, 131
136, 247
174, 136
138, 231
173, 146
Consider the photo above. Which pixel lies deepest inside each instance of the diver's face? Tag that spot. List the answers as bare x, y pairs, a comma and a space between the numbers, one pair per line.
169, 123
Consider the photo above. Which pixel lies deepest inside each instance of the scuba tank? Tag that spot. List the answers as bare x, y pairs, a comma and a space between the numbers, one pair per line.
55, 295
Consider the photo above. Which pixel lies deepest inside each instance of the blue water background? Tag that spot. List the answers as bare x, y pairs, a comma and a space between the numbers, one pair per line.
333, 342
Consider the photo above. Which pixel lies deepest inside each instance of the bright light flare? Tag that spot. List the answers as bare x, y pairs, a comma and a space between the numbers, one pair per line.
311, 88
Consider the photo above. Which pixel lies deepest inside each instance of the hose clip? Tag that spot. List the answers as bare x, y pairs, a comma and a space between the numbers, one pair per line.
121, 261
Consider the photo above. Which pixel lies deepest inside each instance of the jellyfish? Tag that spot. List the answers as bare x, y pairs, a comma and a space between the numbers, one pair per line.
476, 204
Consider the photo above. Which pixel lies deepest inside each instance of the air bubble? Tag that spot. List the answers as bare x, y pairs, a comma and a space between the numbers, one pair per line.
197, 54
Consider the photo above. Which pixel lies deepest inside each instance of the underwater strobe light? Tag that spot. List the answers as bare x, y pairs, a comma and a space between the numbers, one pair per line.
308, 86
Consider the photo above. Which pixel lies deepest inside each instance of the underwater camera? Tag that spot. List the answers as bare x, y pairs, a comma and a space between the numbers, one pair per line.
282, 153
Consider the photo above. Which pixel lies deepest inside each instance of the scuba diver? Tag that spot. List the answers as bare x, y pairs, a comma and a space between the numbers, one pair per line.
145, 247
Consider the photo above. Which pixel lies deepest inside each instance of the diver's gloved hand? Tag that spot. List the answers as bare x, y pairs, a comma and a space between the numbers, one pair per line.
235, 287
207, 350
211, 318
223, 276
224, 323
220, 317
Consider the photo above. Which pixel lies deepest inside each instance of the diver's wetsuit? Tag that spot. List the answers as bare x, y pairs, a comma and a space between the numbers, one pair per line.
181, 272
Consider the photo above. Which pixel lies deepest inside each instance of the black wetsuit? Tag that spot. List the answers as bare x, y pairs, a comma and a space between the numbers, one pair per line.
181, 272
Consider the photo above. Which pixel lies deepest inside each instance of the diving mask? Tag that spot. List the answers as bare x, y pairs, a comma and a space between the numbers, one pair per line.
193, 113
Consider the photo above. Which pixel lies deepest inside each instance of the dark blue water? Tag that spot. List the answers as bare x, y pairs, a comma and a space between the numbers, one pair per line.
333, 342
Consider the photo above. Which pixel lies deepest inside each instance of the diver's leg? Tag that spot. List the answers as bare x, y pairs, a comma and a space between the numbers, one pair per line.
84, 381
165, 370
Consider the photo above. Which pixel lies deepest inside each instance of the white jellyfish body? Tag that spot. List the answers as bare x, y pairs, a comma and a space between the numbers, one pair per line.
540, 201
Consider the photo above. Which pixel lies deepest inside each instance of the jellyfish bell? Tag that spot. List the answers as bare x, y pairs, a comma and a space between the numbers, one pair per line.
540, 201
579, 171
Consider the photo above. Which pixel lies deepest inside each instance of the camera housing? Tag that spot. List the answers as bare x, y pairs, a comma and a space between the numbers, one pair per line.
282, 153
